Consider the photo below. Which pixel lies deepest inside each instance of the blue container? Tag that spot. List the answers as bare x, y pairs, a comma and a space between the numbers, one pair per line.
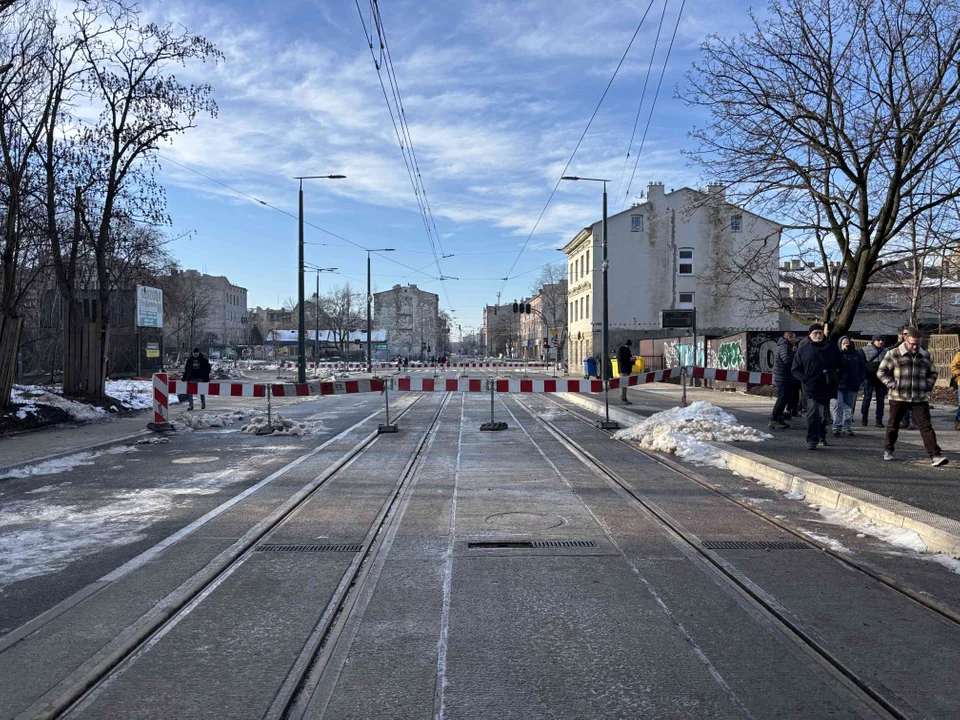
590, 367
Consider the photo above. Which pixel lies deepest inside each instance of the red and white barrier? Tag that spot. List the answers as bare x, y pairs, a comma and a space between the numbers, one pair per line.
337, 366
736, 376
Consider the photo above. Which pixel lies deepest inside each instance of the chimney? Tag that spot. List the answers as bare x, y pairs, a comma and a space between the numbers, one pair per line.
716, 189
655, 191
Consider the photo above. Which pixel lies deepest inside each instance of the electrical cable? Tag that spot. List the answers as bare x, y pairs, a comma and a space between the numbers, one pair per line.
575, 149
656, 94
643, 94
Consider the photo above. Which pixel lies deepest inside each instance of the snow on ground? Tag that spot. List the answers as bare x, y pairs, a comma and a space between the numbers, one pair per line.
283, 426
684, 432
950, 563
208, 420
64, 464
828, 541
132, 394
226, 371
33, 395
856, 520
38, 537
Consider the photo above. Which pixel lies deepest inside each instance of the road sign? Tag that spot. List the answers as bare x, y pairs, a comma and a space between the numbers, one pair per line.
149, 307
153, 350
678, 318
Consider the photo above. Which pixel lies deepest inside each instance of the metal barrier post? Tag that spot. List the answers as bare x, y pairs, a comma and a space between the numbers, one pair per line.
268, 430
493, 425
683, 382
387, 427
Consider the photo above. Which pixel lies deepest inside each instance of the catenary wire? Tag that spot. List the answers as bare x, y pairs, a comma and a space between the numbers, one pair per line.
577, 147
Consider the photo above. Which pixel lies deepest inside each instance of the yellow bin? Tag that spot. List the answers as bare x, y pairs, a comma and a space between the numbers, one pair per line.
637, 366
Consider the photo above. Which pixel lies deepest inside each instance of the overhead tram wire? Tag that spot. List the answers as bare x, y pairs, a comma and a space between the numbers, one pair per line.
582, 136
643, 95
402, 131
653, 106
291, 215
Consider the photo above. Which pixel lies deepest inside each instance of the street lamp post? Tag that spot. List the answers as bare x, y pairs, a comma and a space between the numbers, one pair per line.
369, 304
606, 423
301, 326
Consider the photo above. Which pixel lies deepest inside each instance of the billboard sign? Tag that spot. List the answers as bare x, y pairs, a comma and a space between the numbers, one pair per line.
149, 307
677, 318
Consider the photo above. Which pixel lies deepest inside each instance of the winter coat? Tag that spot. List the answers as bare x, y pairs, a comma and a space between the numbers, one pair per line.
783, 362
955, 366
873, 356
853, 368
624, 360
197, 369
816, 367
909, 377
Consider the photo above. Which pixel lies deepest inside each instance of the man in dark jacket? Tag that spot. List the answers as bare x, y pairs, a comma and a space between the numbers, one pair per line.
783, 378
625, 365
873, 355
197, 370
853, 369
816, 366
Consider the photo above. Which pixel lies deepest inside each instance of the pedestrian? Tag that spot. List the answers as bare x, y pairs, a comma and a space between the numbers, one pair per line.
955, 383
625, 365
873, 355
197, 369
783, 379
908, 423
816, 366
853, 369
909, 374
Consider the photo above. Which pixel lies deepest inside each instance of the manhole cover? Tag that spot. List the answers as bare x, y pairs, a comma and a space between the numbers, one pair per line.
195, 460
525, 521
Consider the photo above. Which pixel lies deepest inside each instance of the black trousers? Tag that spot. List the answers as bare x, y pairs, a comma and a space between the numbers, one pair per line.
871, 389
921, 416
818, 417
783, 399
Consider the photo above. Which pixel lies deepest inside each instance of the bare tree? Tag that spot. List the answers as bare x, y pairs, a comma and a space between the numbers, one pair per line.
831, 117
551, 284
341, 313
188, 302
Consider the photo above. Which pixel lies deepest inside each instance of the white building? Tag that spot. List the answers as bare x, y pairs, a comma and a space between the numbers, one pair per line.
664, 254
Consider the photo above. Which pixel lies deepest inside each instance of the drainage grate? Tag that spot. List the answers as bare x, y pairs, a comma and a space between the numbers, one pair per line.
532, 544
563, 543
310, 548
756, 545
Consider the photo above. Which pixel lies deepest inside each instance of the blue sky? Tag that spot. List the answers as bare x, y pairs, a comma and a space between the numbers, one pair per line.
496, 95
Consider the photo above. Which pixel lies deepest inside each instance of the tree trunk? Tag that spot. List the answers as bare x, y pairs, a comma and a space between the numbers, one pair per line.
10, 327
82, 354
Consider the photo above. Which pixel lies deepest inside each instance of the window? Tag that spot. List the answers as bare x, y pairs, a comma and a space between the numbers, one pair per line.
685, 300
588, 262
735, 222
581, 266
573, 277
636, 223
892, 299
956, 299
685, 261
571, 312
588, 307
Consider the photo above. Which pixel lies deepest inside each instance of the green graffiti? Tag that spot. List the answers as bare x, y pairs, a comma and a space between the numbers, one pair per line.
730, 356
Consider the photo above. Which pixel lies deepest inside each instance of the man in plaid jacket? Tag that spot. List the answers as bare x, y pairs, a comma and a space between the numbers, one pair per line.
909, 374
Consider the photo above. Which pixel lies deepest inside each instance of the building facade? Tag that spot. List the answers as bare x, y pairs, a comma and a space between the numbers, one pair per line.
500, 330
665, 253
411, 318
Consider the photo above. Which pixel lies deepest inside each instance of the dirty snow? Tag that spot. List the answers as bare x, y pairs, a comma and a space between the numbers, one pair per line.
205, 421
828, 541
39, 537
950, 563
65, 464
283, 426
684, 432
856, 520
32, 395
226, 371
132, 394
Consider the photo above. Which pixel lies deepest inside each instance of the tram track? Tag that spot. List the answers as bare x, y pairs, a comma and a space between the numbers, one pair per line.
78, 690
879, 700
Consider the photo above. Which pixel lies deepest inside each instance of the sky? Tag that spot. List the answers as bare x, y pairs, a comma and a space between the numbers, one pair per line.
496, 96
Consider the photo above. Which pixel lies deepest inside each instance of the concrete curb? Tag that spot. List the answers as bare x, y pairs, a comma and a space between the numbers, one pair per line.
940, 534
79, 449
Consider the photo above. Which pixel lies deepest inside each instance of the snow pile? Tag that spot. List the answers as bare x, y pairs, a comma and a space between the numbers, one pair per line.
684, 432
157, 440
225, 371
64, 464
207, 420
33, 395
323, 375
283, 426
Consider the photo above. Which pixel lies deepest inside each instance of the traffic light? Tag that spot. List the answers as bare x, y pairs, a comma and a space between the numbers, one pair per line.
516, 308
546, 342
527, 306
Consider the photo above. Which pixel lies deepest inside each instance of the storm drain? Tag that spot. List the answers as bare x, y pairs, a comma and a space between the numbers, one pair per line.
755, 545
310, 548
530, 544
